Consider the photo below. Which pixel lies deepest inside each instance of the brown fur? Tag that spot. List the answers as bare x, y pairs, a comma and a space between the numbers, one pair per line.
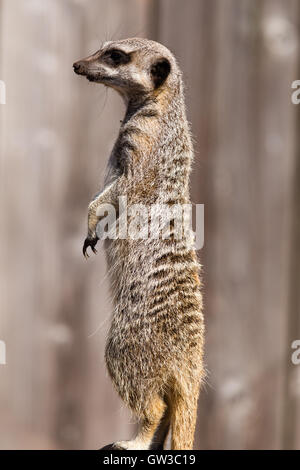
155, 342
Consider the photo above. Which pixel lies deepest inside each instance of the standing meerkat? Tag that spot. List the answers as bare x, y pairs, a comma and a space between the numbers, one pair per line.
154, 349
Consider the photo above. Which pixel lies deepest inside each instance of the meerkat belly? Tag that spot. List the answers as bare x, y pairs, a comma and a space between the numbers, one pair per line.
157, 318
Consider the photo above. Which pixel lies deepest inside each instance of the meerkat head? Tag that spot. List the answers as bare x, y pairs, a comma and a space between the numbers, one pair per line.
135, 67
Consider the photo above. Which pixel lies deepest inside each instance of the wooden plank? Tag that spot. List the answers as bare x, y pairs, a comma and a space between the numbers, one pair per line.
57, 134
238, 60
291, 411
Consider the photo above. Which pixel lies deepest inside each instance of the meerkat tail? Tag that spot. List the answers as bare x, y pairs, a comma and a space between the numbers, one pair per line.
183, 421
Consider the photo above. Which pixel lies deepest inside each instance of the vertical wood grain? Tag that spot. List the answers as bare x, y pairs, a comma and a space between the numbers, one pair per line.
239, 58
57, 133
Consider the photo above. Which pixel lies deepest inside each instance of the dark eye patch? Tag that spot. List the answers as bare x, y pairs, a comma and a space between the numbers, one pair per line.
117, 57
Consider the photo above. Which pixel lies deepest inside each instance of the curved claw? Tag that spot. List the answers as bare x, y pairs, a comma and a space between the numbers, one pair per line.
89, 242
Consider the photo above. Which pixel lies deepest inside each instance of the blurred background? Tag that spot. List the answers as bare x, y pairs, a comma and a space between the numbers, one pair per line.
239, 59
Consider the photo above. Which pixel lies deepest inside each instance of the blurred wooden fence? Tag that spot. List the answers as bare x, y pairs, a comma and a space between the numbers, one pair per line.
239, 59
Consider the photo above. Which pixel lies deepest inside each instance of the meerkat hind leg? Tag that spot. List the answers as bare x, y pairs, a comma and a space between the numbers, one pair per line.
149, 424
161, 433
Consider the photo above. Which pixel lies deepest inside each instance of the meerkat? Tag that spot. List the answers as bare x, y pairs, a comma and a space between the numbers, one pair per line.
154, 348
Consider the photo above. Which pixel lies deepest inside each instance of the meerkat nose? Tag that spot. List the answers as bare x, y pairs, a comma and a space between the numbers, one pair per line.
77, 67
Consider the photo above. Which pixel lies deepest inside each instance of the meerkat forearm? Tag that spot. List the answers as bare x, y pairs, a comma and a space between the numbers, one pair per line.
104, 197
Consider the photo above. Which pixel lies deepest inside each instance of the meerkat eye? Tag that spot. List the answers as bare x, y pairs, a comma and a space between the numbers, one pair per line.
117, 57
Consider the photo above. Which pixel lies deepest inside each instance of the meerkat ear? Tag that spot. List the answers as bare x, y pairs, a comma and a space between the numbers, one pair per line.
159, 72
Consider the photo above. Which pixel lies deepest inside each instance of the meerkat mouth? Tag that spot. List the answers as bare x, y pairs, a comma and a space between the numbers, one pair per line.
98, 79
93, 78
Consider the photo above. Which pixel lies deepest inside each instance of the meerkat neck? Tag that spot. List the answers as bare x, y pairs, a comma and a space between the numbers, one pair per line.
155, 123
137, 106
154, 105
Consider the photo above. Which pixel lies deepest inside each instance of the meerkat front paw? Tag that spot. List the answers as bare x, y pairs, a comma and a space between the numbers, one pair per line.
92, 238
92, 242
